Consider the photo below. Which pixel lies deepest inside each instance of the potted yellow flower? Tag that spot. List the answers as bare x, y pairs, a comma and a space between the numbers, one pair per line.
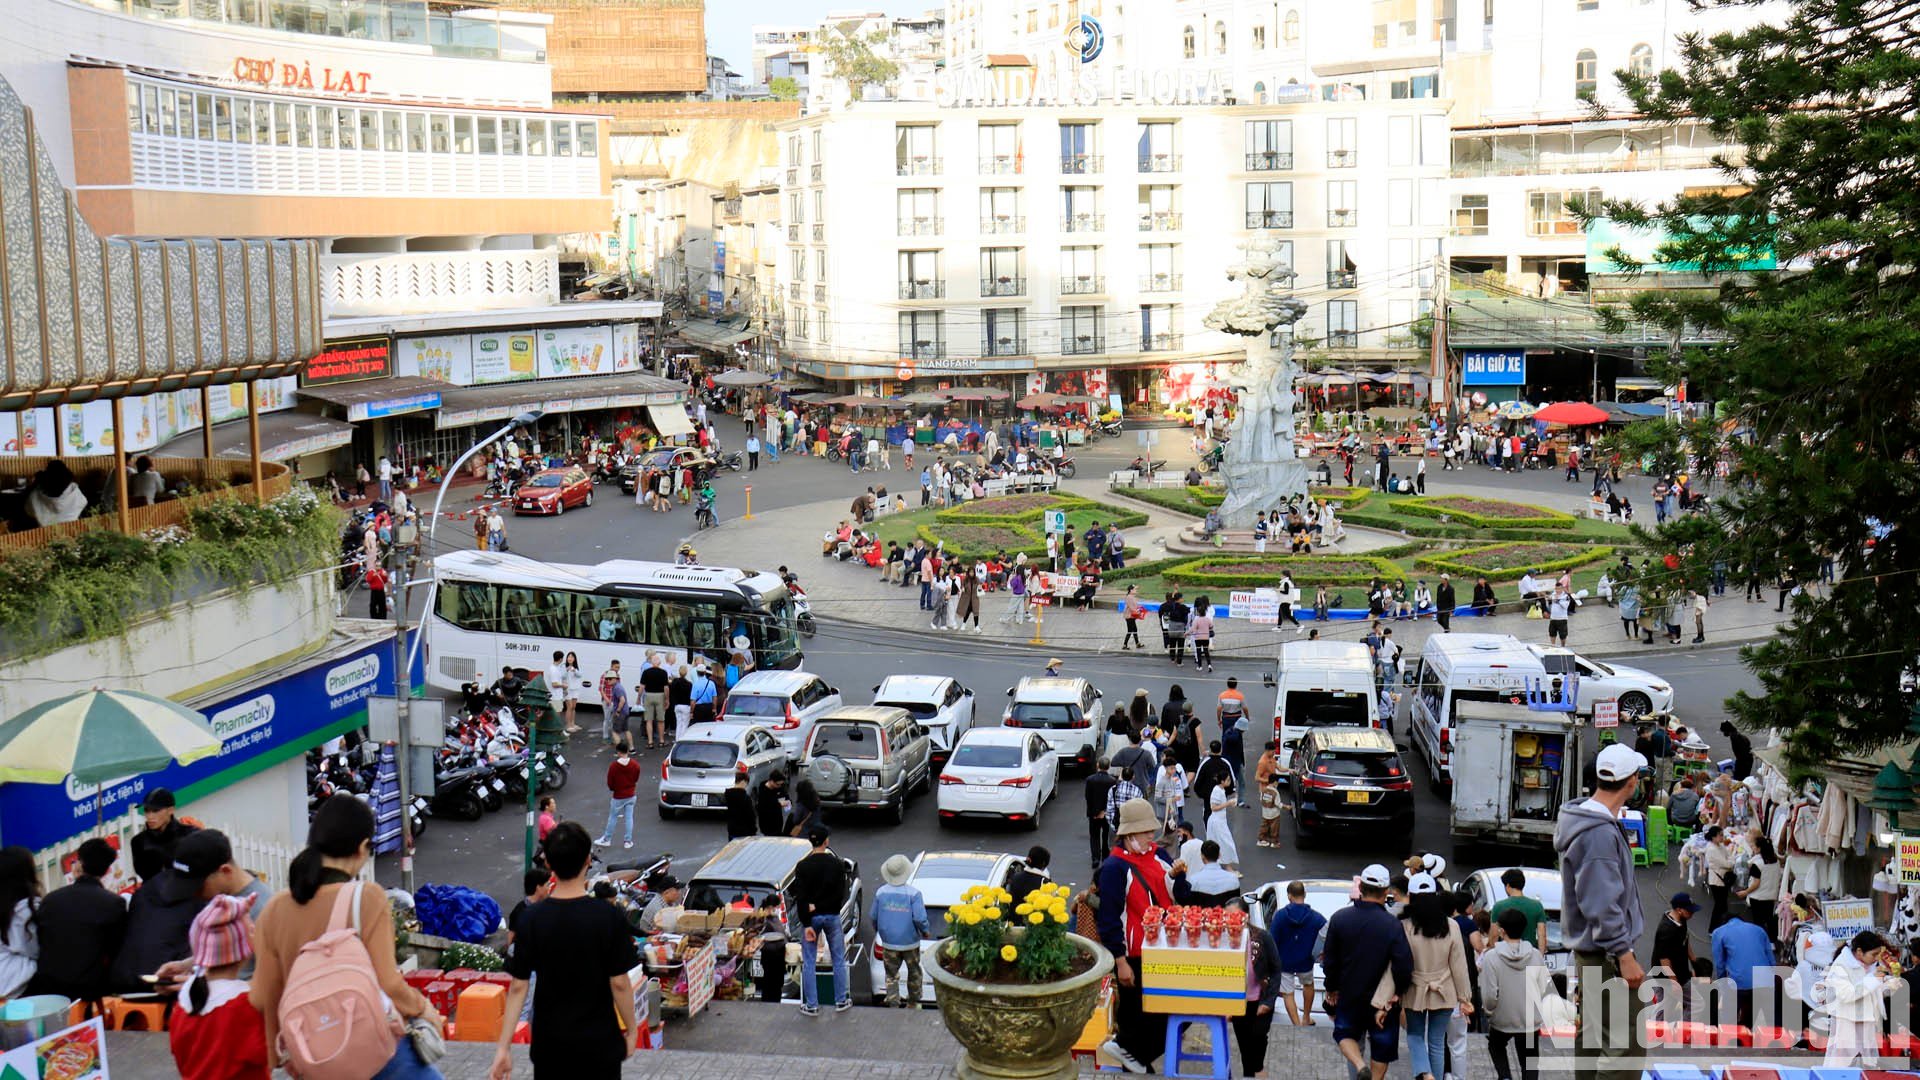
1013, 985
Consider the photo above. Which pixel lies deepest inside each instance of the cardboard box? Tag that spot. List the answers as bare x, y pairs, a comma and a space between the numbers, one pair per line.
696, 922
1205, 982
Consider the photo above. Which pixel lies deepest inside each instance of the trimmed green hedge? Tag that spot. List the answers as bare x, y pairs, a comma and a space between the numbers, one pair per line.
1451, 562
1435, 531
1038, 503
1177, 501
1438, 506
1308, 570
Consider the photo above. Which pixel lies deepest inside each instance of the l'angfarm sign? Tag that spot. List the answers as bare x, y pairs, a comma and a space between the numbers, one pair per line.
349, 361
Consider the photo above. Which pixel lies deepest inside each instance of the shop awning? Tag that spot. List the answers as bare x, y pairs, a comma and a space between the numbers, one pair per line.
670, 420
713, 334
463, 406
370, 398
283, 437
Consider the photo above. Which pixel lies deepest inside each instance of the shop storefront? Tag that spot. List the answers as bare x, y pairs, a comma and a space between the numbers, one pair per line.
258, 778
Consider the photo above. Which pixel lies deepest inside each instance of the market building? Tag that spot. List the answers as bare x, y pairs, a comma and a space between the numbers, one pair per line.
417, 143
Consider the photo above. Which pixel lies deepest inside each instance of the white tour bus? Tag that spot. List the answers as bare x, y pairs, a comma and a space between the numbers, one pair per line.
494, 609
1323, 684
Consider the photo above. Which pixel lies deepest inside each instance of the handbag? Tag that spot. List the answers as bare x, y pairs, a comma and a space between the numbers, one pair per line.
428, 1040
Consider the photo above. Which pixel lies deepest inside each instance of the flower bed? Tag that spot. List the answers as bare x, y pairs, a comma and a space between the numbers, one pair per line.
1485, 513
1259, 571
1509, 561
1014, 506
980, 541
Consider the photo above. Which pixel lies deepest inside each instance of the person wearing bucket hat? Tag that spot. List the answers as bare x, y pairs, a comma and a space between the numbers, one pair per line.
1366, 947
899, 926
215, 1032
1134, 878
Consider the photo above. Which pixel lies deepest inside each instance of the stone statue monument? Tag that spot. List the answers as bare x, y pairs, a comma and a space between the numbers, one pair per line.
1259, 464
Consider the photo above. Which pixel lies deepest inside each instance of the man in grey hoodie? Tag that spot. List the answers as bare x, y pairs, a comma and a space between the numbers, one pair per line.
1513, 977
1601, 918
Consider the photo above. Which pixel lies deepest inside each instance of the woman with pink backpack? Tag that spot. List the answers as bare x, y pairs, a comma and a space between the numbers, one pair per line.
325, 980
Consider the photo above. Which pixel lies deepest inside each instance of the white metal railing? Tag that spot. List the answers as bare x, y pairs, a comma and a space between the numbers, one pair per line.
264, 859
411, 282
171, 162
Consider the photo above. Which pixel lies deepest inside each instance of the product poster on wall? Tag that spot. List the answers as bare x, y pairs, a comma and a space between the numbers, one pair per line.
75, 1053
87, 429
501, 358
626, 347
448, 359
576, 350
230, 401
28, 433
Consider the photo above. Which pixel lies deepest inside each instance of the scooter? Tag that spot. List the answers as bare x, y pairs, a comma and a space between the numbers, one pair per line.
1065, 467
802, 610
456, 790
731, 460
1109, 427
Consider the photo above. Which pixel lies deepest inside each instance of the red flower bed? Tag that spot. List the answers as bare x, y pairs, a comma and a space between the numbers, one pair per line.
1517, 555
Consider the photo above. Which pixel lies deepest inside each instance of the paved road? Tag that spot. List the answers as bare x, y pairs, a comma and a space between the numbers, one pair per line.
487, 855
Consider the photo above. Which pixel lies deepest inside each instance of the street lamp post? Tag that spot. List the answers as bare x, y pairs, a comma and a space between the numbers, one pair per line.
525, 419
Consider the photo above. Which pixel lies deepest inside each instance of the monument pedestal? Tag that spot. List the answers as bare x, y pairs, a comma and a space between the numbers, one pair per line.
1254, 486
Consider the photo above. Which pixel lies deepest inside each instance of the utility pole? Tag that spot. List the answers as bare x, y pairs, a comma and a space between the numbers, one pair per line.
402, 699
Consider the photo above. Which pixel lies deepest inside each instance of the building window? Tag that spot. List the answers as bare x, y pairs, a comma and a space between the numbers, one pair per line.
1269, 205
793, 149
1586, 73
1077, 149
1269, 145
562, 138
1186, 43
1640, 61
922, 335
1003, 332
1549, 213
816, 144
1000, 210
1342, 209
820, 264
920, 275
1156, 328
1343, 324
798, 260
1079, 271
913, 150
918, 210
1080, 331
1155, 148
1000, 148
536, 135
1220, 39
1342, 272
1343, 141
1259, 37
1586, 5
1415, 86
1080, 209
1000, 272
1290, 27
1469, 215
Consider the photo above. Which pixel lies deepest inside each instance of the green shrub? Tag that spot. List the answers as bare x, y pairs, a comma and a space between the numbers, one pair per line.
1510, 560
1026, 508
1484, 513
1259, 571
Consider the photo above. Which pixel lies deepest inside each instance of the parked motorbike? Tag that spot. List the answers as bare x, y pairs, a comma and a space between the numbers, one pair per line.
731, 460
457, 786
1109, 427
1065, 467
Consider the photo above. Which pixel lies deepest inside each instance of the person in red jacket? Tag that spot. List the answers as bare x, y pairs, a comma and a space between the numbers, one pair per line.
216, 1033
623, 775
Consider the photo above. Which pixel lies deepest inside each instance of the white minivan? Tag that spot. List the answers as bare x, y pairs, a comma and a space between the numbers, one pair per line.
1465, 667
1322, 684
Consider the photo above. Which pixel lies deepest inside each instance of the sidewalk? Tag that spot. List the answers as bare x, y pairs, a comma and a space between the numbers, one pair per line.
853, 593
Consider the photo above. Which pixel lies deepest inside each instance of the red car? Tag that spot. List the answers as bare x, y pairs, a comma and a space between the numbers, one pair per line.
552, 491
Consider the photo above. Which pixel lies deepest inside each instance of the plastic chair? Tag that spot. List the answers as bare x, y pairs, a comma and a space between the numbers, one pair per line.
124, 1015
1216, 1057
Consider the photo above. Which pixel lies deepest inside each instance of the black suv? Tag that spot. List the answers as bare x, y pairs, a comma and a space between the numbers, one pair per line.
1348, 778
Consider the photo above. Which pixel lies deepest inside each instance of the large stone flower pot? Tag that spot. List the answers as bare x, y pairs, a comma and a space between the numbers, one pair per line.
1018, 1032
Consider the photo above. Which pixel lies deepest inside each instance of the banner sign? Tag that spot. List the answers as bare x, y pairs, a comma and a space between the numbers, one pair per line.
448, 358
1506, 367
1906, 863
501, 358
258, 728
75, 1053
1848, 916
1254, 605
576, 350
1606, 713
349, 361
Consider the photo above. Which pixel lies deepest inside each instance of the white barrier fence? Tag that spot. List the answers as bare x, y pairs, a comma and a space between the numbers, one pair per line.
264, 859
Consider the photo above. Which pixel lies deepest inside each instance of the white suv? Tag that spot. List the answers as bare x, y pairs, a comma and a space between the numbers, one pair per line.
1066, 712
944, 707
785, 702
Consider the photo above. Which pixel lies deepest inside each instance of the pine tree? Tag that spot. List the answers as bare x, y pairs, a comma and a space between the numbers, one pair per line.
1816, 380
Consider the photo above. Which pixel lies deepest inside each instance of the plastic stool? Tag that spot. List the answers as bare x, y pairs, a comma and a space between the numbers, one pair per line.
1217, 1067
482, 1012
1674, 1072
124, 1015
1679, 833
1640, 856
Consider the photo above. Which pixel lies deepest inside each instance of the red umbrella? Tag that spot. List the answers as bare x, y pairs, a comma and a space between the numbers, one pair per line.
1572, 413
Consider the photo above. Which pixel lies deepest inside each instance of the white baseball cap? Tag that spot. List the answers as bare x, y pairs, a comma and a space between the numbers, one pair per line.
1422, 883
1375, 876
1618, 762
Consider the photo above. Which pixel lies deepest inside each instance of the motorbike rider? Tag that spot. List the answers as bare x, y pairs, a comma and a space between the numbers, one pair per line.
686, 556
706, 497
506, 689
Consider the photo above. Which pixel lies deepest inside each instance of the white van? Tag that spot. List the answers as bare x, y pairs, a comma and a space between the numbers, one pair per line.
1465, 667
1322, 684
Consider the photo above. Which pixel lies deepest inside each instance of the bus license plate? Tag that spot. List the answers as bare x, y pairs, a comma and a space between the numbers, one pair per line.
1357, 796
697, 799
